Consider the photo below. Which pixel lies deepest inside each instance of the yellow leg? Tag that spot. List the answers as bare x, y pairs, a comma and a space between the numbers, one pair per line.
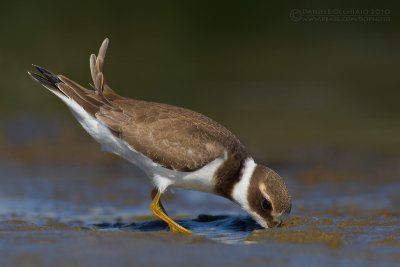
158, 210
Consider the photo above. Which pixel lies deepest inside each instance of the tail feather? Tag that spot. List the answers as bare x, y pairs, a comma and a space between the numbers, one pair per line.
47, 79
48, 74
80, 99
90, 100
71, 83
96, 70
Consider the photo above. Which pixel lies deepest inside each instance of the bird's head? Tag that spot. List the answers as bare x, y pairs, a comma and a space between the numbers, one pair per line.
263, 194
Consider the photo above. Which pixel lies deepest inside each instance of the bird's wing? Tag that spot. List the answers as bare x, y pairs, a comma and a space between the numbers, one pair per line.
173, 137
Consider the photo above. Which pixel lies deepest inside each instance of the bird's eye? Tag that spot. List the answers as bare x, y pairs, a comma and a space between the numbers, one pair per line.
266, 205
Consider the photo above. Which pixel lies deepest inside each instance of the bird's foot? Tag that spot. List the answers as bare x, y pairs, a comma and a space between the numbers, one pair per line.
158, 210
176, 228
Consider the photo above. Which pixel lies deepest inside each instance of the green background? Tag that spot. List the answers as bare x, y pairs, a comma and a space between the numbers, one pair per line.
280, 85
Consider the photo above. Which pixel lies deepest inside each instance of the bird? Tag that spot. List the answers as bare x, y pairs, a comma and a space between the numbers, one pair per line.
174, 146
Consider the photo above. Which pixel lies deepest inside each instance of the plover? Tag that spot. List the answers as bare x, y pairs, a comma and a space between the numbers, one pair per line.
174, 146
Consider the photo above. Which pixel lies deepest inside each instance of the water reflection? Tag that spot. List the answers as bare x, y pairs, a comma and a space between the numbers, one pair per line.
224, 228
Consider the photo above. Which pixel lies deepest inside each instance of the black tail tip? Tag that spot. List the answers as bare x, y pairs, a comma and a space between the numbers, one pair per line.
45, 78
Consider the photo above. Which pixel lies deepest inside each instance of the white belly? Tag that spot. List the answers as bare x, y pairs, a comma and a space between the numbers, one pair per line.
199, 180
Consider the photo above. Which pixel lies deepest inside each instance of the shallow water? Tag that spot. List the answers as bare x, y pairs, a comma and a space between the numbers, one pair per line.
64, 203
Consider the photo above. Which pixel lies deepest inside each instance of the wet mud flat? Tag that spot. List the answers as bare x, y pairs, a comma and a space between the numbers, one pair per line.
307, 241
62, 208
